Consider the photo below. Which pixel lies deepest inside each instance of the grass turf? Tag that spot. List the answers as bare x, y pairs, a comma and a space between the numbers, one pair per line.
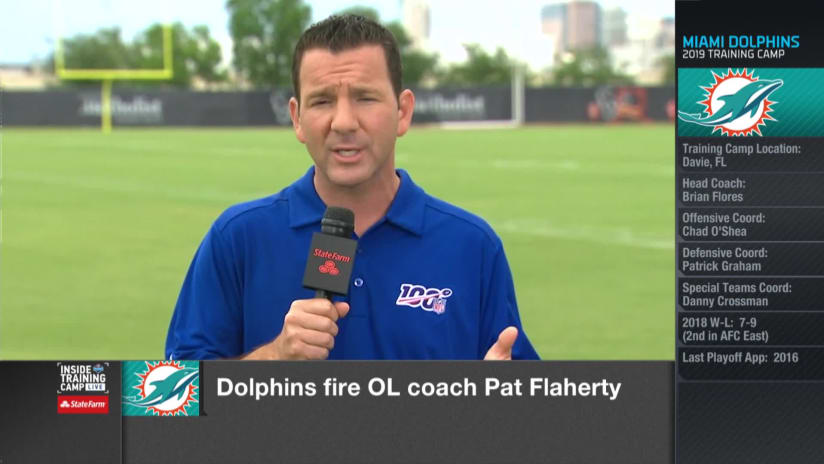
98, 230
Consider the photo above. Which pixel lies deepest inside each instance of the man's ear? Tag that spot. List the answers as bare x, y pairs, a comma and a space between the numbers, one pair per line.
406, 106
294, 113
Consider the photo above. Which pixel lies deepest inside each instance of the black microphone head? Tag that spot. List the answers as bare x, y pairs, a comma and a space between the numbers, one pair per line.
338, 221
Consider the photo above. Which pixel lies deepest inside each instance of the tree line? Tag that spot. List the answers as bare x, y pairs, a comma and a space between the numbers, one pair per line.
264, 34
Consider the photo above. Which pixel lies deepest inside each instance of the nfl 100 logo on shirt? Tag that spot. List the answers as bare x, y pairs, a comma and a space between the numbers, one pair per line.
428, 299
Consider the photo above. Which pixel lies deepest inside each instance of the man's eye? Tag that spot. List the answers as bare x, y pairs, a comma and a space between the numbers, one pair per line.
367, 99
319, 102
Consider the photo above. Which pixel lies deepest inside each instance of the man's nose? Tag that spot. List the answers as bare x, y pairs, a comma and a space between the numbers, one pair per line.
344, 119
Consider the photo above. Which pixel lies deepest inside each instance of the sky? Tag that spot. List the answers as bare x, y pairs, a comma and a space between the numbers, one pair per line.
28, 29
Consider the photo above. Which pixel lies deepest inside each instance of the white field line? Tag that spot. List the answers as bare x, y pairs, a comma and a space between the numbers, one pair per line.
623, 236
531, 165
159, 149
132, 187
570, 166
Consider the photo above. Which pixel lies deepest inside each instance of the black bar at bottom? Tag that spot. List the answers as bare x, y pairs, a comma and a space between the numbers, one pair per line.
31, 428
752, 423
635, 427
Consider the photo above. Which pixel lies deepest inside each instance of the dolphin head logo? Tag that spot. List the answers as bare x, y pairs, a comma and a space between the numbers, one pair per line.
757, 92
175, 385
738, 107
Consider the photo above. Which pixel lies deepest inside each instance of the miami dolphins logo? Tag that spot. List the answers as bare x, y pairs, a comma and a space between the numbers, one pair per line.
736, 103
166, 388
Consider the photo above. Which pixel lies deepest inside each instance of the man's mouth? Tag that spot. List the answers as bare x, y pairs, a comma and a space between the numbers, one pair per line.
347, 153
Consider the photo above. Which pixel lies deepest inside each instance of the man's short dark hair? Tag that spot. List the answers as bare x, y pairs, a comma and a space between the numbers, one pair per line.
343, 32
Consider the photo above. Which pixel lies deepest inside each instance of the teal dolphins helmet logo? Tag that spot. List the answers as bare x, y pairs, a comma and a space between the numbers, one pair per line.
166, 388
736, 103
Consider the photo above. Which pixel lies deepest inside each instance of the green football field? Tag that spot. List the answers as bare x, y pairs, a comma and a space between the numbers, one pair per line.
98, 230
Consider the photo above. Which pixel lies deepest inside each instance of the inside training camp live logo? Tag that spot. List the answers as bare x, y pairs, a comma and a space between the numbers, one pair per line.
161, 388
737, 103
82, 388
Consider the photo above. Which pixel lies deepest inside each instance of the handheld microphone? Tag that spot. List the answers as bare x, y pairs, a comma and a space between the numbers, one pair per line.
331, 254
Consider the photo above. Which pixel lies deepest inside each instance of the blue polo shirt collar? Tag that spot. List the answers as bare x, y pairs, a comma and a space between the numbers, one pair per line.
406, 210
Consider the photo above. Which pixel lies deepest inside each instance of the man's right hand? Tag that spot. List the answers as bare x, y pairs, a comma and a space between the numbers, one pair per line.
309, 331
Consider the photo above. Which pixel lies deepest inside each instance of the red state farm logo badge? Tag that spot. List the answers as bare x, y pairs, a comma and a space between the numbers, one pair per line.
82, 404
428, 299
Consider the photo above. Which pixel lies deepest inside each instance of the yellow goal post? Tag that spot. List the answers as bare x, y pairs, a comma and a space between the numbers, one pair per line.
106, 76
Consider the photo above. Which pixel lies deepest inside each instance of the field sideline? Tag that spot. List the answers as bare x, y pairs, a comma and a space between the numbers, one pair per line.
98, 230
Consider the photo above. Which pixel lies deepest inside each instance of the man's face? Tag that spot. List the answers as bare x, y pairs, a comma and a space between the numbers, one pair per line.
348, 116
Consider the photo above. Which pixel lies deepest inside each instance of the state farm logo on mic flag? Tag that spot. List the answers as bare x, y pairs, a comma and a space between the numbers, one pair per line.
330, 263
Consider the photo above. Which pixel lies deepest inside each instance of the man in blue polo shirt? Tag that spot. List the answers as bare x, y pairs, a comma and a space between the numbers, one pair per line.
430, 281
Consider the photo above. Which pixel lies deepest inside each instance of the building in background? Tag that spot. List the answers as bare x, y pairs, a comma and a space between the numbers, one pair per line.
572, 25
666, 34
25, 77
649, 41
553, 21
614, 27
636, 44
584, 24
417, 22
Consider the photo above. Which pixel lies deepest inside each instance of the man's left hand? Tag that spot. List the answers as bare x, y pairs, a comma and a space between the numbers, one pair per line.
502, 349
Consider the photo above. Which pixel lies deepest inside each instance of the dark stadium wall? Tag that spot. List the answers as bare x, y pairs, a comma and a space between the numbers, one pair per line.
133, 107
